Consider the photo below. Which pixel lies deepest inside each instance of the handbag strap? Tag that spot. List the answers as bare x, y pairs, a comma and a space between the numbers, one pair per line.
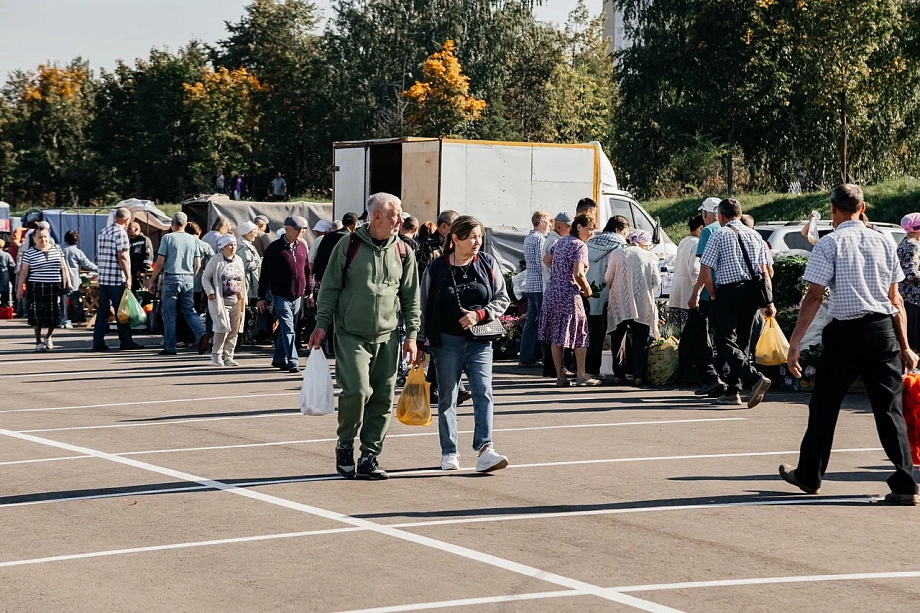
454, 279
747, 260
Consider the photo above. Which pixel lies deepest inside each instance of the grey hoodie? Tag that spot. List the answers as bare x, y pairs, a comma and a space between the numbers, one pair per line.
599, 248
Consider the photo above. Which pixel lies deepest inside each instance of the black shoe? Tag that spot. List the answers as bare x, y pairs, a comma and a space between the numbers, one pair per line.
281, 366
368, 469
130, 346
100, 348
463, 396
757, 394
345, 461
165, 352
709, 388
788, 475
293, 369
204, 344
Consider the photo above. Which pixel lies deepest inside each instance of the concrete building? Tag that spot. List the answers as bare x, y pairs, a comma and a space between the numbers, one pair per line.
615, 28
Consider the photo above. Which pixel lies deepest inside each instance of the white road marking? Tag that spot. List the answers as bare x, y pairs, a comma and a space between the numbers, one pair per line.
293, 412
70, 457
470, 554
468, 602
143, 402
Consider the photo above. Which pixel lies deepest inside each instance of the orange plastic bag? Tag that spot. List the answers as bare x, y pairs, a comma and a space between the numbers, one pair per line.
414, 408
911, 397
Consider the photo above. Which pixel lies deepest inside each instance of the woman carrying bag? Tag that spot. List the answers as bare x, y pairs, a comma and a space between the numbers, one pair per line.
462, 297
48, 278
224, 281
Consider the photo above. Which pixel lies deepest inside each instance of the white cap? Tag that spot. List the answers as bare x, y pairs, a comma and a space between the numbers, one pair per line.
226, 239
710, 205
246, 227
323, 226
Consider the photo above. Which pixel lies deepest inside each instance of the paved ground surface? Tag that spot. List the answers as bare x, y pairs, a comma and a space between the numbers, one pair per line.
132, 482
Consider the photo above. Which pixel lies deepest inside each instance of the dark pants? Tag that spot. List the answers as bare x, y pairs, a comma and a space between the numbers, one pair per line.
697, 348
636, 359
597, 330
109, 296
531, 347
868, 348
732, 320
913, 325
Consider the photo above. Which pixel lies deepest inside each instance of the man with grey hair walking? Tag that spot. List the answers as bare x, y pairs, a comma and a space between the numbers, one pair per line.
114, 278
178, 259
370, 279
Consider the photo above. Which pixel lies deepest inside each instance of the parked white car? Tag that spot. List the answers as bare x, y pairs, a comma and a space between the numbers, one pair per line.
785, 237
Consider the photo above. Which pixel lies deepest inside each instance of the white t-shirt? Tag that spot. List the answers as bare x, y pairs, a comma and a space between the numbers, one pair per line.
314, 249
278, 186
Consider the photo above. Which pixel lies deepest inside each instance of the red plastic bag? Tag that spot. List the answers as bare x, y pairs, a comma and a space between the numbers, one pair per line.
912, 413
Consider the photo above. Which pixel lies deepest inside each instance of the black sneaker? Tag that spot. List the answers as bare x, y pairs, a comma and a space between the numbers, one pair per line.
166, 352
130, 346
279, 365
368, 469
345, 460
709, 388
463, 396
98, 348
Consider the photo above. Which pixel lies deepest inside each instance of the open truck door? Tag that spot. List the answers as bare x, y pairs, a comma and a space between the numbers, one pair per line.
350, 183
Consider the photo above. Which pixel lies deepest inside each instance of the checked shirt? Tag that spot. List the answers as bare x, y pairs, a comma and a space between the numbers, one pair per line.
112, 241
723, 255
858, 265
533, 256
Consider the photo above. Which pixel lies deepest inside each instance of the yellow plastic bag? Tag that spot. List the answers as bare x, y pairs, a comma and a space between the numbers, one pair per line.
772, 347
413, 408
130, 310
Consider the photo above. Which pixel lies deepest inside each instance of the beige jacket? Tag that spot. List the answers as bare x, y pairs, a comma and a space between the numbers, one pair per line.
211, 283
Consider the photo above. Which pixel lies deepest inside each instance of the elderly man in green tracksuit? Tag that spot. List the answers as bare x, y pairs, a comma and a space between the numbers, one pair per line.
370, 278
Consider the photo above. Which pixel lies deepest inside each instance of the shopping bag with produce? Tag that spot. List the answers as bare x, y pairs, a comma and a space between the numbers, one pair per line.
413, 408
772, 347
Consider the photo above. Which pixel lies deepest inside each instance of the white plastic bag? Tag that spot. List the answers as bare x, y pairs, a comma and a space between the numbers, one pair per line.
519, 284
316, 396
810, 231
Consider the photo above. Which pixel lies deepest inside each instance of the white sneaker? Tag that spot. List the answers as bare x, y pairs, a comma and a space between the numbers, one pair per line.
216, 361
450, 461
489, 461
68, 326
231, 362
41, 347
49, 346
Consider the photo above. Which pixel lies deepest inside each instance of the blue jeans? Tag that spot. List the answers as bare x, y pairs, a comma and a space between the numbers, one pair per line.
455, 356
285, 348
178, 297
531, 348
109, 296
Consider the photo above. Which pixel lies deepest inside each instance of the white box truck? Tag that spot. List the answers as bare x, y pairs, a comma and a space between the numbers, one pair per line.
500, 183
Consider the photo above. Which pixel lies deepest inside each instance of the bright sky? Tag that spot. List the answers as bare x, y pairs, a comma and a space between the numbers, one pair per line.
103, 31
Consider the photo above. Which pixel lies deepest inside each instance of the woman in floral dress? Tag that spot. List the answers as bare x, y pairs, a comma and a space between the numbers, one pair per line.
909, 256
563, 321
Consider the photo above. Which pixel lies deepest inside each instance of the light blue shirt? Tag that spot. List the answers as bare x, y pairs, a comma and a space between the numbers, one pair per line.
705, 233
180, 250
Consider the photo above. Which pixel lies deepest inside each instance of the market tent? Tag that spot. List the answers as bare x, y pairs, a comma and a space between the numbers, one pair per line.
239, 211
154, 222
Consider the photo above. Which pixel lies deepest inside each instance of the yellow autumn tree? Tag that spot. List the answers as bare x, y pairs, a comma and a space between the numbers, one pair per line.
441, 102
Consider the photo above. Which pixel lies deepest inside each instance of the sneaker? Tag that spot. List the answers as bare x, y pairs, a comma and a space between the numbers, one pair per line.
734, 399
757, 393
345, 460
599, 376
450, 461
49, 345
130, 346
99, 348
216, 361
788, 474
587, 382
463, 396
708, 388
231, 362
203, 344
907, 500
489, 460
293, 368
279, 365
68, 326
164, 352
563, 382
368, 468
41, 347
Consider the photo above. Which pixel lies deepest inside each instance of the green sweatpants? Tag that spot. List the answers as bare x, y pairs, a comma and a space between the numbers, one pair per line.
366, 372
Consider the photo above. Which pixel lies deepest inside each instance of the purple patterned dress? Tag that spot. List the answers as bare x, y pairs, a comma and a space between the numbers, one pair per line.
563, 321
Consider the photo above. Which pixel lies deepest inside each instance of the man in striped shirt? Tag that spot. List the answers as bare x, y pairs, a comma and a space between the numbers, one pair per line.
114, 263
531, 348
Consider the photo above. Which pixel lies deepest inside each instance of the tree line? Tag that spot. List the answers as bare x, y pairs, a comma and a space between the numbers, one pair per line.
710, 95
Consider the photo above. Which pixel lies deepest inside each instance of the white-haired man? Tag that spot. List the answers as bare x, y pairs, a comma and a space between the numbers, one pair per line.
114, 263
370, 278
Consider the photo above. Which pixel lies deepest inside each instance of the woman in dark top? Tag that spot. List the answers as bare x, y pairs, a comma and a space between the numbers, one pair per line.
461, 289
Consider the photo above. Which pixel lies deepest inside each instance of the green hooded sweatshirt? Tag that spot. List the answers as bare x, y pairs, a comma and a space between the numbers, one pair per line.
378, 285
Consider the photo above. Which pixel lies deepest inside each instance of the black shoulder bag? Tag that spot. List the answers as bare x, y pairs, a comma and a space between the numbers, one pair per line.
761, 291
492, 330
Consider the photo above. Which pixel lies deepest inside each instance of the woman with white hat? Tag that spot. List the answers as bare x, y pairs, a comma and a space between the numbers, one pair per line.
224, 281
249, 254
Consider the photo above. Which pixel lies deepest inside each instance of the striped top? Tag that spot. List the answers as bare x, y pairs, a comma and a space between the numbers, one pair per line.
44, 266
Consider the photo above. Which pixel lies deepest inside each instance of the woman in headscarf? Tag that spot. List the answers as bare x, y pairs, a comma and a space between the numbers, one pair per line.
633, 277
45, 271
909, 256
224, 282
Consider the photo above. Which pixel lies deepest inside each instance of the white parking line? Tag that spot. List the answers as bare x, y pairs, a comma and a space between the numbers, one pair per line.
143, 402
464, 552
425, 606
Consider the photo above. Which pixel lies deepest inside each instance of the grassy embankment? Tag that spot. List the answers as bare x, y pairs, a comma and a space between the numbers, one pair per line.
888, 201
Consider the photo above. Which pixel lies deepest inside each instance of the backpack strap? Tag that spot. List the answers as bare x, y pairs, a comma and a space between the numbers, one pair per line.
354, 243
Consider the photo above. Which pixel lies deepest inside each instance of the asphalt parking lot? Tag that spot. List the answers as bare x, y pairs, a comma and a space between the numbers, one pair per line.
134, 482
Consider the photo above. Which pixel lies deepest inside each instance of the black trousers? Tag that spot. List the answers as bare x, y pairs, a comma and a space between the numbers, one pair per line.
634, 357
696, 347
864, 347
597, 331
913, 325
732, 320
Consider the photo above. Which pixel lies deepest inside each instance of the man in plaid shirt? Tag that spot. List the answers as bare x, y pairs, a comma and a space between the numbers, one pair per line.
531, 348
867, 337
114, 272
733, 311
